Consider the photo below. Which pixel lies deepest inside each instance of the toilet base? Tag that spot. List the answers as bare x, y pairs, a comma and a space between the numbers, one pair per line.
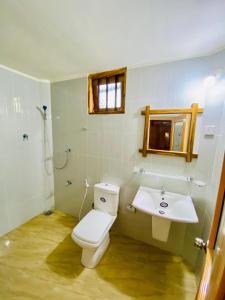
91, 257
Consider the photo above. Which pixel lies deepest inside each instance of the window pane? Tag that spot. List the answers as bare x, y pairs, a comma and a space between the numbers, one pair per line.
114, 99
102, 96
106, 92
118, 95
111, 95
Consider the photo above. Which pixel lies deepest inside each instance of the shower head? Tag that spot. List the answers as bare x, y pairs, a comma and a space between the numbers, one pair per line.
42, 112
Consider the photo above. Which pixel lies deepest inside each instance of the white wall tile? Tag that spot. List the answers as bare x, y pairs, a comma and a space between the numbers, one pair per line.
110, 148
25, 186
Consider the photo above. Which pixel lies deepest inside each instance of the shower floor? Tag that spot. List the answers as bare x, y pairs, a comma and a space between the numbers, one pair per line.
39, 260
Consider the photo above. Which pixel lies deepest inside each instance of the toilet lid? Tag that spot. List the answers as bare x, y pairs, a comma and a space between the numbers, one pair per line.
93, 226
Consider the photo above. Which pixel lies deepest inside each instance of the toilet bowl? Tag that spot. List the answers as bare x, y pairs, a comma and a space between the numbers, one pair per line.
92, 232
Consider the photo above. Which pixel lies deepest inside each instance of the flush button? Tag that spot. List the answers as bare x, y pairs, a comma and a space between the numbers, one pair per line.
103, 199
163, 204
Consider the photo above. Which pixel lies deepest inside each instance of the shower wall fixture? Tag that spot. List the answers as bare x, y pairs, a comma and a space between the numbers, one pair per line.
43, 111
67, 151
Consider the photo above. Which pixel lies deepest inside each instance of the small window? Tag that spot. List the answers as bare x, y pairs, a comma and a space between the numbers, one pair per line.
106, 92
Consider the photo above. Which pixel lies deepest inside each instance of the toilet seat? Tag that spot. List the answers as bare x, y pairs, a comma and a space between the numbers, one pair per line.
92, 229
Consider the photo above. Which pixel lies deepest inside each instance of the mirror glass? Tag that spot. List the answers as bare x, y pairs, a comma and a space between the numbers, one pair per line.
169, 132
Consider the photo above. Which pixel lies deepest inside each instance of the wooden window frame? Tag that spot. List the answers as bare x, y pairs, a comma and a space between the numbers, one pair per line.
93, 105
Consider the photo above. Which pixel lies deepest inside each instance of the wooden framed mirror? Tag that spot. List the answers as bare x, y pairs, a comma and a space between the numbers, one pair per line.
170, 131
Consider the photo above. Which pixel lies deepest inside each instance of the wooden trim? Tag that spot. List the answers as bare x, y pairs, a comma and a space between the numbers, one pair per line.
168, 118
185, 134
221, 289
95, 96
106, 112
191, 137
218, 209
202, 289
108, 73
172, 111
90, 96
107, 95
146, 131
219, 293
172, 135
167, 152
124, 89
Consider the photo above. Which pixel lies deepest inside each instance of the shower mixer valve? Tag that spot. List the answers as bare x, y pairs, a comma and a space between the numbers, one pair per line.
25, 137
68, 182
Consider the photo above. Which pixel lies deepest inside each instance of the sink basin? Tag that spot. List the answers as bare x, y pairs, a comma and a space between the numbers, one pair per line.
170, 206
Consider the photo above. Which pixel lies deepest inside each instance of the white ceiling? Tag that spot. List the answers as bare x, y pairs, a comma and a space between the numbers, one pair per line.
59, 39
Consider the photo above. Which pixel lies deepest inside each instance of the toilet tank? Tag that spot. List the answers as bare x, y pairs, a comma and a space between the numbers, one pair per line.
106, 197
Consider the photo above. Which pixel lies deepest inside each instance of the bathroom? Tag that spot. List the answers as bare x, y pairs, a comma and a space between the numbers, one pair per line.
55, 149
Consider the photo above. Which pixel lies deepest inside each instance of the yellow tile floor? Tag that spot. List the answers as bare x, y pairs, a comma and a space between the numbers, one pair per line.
39, 261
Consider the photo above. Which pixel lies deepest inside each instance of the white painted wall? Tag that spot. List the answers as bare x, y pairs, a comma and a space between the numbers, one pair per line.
25, 188
108, 150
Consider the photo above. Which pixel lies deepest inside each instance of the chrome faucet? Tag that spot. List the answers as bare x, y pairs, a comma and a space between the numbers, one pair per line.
163, 191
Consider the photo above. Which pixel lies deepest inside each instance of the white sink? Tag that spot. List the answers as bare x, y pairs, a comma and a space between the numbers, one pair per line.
170, 206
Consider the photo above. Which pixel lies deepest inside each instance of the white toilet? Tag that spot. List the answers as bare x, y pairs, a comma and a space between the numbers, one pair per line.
92, 232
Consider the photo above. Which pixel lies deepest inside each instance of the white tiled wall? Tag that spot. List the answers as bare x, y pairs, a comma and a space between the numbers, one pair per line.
108, 149
216, 115
25, 188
